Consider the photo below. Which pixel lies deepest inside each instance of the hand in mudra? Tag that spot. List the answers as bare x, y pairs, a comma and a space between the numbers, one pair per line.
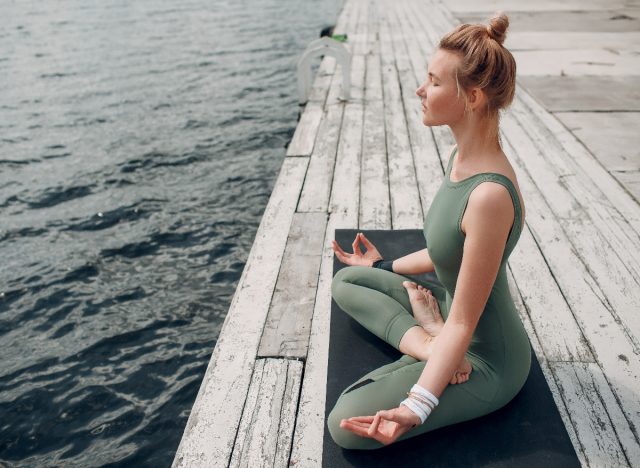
357, 257
385, 426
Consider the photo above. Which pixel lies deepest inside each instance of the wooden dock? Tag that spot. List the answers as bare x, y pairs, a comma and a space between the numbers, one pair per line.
369, 163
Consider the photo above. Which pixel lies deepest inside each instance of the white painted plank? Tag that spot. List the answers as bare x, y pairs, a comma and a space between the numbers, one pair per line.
317, 184
246, 422
584, 163
531, 40
577, 189
630, 180
288, 324
346, 178
539, 5
592, 407
306, 131
421, 13
583, 297
540, 351
577, 62
375, 205
288, 415
612, 262
427, 163
263, 418
224, 387
552, 319
406, 209
607, 136
310, 424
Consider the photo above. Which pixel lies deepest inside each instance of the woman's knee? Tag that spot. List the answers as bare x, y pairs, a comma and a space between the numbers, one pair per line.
346, 275
344, 438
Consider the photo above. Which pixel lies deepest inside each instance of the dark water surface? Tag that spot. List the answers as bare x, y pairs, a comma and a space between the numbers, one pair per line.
139, 144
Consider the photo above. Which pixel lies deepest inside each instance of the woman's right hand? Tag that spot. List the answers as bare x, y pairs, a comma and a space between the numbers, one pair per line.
357, 257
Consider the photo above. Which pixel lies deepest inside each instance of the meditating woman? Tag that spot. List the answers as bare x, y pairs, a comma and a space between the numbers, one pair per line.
465, 351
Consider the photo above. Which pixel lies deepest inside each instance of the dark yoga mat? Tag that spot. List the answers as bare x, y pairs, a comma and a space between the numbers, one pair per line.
526, 432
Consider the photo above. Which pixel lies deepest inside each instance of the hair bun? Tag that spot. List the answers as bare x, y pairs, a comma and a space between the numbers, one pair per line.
497, 27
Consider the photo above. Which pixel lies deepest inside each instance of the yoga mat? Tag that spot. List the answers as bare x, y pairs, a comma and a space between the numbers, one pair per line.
528, 431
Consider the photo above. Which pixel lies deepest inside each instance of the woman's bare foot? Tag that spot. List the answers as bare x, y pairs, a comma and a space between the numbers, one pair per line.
425, 308
427, 313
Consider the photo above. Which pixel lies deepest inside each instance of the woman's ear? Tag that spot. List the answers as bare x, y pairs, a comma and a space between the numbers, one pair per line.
476, 99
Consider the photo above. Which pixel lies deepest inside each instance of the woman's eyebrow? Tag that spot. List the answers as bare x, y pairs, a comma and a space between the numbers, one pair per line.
433, 75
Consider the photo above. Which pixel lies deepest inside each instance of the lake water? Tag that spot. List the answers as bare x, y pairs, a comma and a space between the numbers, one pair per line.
139, 144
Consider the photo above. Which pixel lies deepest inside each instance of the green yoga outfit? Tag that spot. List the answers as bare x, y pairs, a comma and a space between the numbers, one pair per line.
499, 351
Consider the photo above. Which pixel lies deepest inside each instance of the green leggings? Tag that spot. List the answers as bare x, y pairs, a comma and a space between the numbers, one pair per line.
377, 300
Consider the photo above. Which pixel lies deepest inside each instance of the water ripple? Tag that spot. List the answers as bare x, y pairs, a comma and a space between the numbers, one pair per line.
139, 148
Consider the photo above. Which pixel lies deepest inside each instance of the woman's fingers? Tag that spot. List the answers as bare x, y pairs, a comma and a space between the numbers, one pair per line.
363, 419
373, 428
353, 427
341, 254
356, 246
367, 243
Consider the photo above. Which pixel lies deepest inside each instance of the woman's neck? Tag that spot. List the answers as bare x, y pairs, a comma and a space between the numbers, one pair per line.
476, 139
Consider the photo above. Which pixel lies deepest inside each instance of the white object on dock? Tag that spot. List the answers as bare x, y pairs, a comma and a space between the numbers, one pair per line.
323, 46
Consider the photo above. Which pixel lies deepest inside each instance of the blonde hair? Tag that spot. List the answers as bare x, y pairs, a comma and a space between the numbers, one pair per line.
486, 63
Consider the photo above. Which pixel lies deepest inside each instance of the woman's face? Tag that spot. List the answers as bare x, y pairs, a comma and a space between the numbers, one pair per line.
441, 104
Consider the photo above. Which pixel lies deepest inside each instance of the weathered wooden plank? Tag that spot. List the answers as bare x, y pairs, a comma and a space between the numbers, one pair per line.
288, 324
584, 163
607, 135
288, 414
348, 27
425, 27
540, 5
550, 315
591, 223
570, 194
584, 93
346, 179
540, 351
583, 296
572, 40
631, 182
576, 62
421, 17
224, 387
406, 210
609, 19
316, 191
247, 414
361, 39
310, 423
306, 130
427, 163
600, 424
261, 426
375, 207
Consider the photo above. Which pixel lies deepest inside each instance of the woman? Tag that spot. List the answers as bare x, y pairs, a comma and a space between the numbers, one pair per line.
465, 350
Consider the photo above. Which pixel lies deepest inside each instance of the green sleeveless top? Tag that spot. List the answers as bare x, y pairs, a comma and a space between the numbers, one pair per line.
500, 344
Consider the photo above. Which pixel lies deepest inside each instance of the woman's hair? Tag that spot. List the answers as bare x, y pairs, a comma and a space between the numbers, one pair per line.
486, 63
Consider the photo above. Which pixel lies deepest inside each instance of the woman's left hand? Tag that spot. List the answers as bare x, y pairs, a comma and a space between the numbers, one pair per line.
385, 427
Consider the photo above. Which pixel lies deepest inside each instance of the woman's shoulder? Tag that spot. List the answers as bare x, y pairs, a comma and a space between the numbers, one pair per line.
490, 205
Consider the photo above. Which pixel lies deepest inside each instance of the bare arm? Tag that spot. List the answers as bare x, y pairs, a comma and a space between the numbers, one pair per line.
486, 225
414, 263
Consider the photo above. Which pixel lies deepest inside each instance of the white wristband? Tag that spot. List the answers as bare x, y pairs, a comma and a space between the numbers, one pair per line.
421, 401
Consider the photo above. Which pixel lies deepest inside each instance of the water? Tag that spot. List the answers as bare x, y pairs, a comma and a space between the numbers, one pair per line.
139, 144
